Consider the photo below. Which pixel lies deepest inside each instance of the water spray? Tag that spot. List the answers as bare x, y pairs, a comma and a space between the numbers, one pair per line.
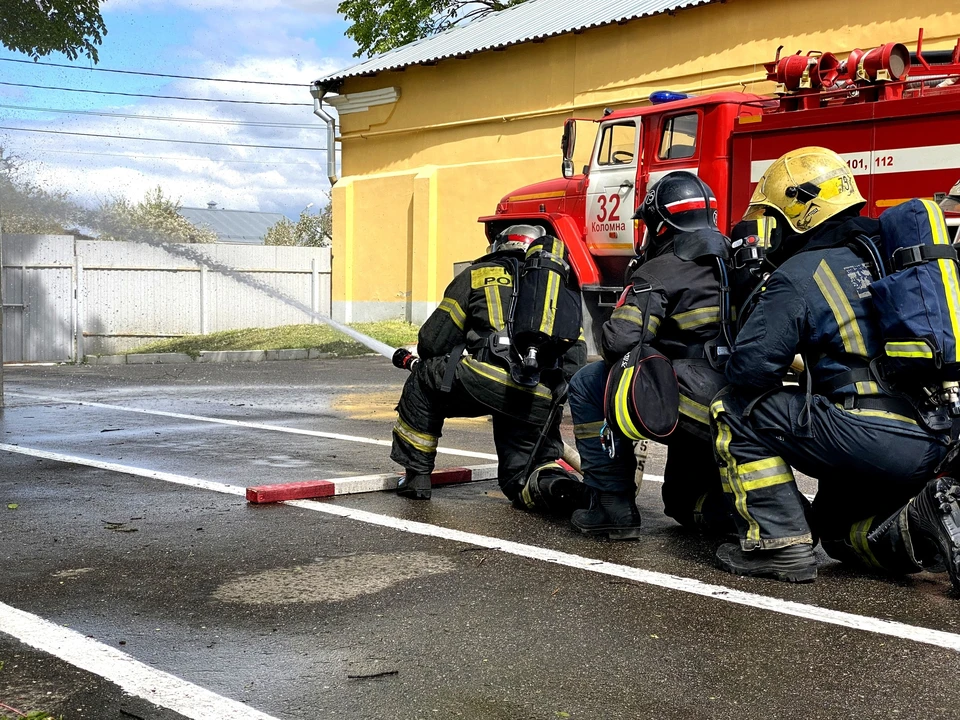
400, 357
190, 252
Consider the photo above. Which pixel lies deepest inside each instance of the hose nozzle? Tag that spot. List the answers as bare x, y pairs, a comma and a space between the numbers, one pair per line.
404, 359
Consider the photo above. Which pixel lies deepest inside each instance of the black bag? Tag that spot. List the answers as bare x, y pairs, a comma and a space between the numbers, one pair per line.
642, 397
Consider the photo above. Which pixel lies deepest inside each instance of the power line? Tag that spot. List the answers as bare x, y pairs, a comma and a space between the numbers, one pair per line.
182, 142
150, 74
160, 117
138, 156
160, 97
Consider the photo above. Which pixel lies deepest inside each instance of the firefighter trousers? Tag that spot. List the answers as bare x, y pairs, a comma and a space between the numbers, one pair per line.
869, 463
423, 407
692, 494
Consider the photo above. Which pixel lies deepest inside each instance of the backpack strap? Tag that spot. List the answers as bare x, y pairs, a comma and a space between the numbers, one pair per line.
718, 350
907, 257
450, 370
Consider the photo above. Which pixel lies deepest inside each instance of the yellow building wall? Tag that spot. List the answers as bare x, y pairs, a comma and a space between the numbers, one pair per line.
417, 173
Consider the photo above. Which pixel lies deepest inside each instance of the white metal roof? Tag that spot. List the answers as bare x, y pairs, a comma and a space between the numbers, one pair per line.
530, 20
233, 226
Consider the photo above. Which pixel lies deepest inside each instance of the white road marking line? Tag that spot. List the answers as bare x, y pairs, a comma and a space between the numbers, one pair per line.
128, 469
134, 677
280, 428
245, 424
692, 586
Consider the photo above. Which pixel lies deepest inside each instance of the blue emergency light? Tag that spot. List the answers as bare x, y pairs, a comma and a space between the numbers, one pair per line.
664, 96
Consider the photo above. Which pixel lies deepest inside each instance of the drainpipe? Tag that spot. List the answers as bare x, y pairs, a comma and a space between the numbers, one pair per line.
318, 91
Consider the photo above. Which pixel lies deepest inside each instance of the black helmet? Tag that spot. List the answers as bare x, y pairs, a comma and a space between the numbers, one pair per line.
679, 202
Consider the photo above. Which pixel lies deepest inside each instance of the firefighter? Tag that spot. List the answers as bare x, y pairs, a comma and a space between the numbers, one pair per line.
445, 383
677, 268
871, 456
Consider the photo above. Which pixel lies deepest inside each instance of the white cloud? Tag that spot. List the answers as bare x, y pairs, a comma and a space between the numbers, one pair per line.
261, 42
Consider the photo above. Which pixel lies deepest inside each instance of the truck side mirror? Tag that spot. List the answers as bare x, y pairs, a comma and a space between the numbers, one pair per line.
567, 144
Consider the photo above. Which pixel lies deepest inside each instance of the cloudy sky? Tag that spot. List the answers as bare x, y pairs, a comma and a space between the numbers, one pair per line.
294, 41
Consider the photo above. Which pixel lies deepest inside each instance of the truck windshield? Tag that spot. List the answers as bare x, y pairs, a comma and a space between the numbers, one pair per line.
617, 144
679, 138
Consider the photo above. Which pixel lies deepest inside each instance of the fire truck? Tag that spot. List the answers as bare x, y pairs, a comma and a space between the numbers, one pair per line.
893, 115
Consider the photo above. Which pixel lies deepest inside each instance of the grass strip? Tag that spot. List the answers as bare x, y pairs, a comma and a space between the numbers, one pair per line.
287, 337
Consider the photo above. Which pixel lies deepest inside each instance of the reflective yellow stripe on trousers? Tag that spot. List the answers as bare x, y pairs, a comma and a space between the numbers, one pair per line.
585, 431
694, 410
423, 442
730, 471
858, 538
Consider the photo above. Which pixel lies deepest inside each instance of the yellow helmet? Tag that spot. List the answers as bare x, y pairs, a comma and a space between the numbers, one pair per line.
807, 186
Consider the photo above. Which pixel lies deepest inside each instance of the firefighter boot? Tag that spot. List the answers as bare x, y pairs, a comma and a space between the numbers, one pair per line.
551, 489
794, 563
613, 515
934, 516
414, 485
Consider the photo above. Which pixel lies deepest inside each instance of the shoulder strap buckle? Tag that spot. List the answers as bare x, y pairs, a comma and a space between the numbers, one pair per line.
907, 257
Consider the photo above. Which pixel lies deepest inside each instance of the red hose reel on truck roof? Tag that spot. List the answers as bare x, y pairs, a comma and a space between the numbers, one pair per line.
891, 62
816, 70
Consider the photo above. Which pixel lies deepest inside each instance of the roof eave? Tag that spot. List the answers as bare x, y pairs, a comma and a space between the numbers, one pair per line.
338, 78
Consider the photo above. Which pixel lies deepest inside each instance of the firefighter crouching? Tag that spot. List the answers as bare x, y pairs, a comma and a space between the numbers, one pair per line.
445, 383
673, 306
866, 446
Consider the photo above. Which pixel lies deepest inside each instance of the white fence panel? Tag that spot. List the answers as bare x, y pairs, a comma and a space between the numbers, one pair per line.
130, 293
38, 321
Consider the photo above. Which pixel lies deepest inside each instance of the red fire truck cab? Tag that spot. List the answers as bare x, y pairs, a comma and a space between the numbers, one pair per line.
894, 116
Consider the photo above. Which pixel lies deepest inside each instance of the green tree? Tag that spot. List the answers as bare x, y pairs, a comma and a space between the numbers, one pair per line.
156, 217
27, 208
382, 25
308, 231
41, 27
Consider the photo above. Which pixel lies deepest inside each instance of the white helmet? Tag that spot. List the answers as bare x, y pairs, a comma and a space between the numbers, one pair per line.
517, 237
951, 203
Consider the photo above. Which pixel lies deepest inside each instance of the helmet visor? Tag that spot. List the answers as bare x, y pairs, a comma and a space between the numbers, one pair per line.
768, 229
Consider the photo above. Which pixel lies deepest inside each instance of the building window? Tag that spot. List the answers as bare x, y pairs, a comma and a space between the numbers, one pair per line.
679, 139
617, 144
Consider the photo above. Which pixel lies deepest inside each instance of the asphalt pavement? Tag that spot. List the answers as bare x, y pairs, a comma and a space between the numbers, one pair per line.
161, 593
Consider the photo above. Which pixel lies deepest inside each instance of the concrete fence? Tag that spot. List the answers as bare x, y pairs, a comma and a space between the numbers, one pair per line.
65, 298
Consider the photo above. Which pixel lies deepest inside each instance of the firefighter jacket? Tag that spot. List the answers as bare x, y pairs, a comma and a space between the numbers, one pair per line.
817, 304
682, 308
474, 306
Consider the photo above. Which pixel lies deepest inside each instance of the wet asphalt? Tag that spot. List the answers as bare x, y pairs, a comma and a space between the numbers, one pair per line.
304, 615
